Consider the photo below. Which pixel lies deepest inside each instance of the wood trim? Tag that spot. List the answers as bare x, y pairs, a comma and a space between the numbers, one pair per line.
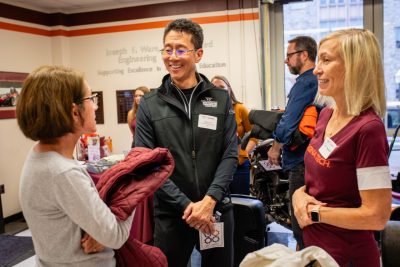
126, 27
12, 76
122, 14
23, 14
8, 114
14, 217
25, 29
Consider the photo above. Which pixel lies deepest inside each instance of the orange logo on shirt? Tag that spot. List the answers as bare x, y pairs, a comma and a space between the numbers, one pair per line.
318, 158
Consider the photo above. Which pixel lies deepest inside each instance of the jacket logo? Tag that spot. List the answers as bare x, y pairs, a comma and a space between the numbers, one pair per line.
209, 103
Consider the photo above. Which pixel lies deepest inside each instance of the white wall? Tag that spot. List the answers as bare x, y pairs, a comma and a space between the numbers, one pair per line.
236, 45
20, 52
89, 54
230, 49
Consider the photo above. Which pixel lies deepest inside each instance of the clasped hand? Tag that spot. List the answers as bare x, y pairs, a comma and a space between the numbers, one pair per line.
199, 215
302, 206
90, 245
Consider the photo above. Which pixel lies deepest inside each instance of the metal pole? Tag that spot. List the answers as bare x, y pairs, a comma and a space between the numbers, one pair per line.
263, 85
2, 229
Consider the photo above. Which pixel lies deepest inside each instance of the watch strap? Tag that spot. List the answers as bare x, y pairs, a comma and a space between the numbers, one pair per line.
315, 214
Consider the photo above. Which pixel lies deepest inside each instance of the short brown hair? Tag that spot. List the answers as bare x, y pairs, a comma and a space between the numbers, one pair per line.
44, 108
305, 43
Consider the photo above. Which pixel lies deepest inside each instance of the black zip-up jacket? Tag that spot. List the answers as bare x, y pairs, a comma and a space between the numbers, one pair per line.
201, 136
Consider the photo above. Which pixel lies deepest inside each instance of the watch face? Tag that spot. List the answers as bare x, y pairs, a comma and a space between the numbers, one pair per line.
314, 216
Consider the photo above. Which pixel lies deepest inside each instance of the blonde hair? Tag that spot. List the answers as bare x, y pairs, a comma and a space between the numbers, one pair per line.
323, 100
364, 84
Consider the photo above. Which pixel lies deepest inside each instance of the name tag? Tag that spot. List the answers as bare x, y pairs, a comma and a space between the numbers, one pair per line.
327, 148
215, 240
207, 122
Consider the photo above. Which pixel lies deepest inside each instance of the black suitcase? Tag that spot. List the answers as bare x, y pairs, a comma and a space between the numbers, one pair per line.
390, 244
250, 226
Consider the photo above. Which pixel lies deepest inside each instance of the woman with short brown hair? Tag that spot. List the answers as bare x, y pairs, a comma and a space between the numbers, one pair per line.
58, 198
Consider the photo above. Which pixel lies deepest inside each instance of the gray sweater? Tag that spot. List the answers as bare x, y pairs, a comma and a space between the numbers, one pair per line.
59, 200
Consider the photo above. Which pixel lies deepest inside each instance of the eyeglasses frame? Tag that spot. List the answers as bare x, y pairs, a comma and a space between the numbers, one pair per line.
174, 52
289, 55
94, 98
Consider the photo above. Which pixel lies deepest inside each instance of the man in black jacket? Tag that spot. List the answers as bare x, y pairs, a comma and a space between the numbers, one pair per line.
195, 121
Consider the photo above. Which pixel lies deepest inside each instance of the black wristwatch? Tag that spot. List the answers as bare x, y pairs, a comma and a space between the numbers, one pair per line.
315, 216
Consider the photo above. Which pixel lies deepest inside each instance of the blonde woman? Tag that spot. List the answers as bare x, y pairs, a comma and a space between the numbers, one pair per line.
347, 195
139, 92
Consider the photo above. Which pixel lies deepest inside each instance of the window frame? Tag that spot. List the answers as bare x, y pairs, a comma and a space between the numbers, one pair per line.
275, 75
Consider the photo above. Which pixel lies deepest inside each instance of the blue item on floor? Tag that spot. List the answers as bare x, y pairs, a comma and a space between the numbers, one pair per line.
14, 249
281, 238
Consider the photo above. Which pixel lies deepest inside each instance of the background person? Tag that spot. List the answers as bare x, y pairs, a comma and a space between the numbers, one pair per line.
131, 118
348, 187
300, 59
195, 121
58, 198
241, 178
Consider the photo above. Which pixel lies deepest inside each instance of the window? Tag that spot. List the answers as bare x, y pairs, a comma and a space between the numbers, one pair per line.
391, 45
333, 24
393, 115
391, 62
355, 2
317, 19
397, 34
356, 22
124, 104
398, 91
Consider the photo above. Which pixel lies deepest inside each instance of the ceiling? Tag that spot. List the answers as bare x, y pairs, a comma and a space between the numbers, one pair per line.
76, 6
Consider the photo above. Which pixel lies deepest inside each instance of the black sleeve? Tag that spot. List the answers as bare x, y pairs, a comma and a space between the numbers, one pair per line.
144, 133
145, 137
227, 166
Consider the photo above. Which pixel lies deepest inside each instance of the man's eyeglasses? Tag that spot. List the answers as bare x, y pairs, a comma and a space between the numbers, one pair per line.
94, 98
178, 52
288, 55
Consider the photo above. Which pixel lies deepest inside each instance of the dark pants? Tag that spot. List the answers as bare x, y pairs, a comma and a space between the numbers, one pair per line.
241, 179
296, 180
177, 240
